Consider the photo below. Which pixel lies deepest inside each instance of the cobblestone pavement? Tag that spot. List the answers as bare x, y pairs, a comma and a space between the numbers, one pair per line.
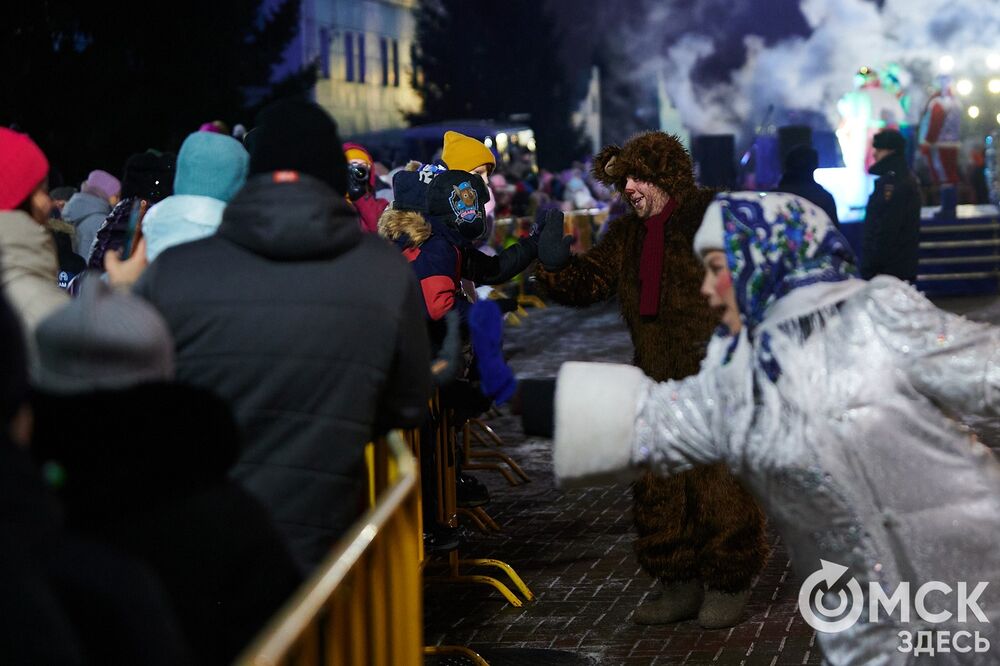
573, 547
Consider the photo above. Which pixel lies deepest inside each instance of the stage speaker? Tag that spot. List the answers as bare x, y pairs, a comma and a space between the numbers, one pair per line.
714, 158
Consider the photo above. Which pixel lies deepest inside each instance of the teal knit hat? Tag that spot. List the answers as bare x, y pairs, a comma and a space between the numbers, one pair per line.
211, 165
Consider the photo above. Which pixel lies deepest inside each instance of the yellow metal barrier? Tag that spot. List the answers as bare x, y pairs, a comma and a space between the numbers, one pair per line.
363, 606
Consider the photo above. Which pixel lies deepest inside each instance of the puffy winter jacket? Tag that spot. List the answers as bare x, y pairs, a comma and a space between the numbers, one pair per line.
313, 331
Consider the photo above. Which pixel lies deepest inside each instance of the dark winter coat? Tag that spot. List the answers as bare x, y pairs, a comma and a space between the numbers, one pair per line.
67, 600
145, 470
118, 230
70, 263
891, 244
313, 332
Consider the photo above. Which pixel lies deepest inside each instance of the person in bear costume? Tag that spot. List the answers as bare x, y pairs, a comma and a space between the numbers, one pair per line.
699, 533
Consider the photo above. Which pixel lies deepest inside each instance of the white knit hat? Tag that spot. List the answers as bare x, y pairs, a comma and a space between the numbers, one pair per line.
710, 234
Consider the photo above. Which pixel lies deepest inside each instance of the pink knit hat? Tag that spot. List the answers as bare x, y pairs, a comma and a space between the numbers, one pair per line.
102, 184
22, 167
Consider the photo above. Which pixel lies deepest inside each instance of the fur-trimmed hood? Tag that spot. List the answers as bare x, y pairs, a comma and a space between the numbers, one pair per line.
655, 157
395, 224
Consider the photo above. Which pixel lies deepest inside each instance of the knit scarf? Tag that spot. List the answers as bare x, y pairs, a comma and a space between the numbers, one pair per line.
651, 261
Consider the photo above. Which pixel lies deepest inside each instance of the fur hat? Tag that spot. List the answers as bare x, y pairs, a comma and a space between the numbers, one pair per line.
654, 157
889, 139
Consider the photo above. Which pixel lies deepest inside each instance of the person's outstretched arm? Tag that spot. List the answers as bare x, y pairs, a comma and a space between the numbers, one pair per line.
953, 361
611, 419
587, 278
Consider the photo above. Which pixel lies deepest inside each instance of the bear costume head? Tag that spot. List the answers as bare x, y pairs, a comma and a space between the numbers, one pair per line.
654, 157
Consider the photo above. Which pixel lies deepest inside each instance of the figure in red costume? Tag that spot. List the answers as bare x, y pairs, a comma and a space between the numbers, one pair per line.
939, 142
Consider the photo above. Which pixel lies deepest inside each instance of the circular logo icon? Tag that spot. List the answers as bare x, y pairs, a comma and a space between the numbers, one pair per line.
813, 600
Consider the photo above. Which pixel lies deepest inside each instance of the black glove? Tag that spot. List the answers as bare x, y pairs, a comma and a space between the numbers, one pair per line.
553, 246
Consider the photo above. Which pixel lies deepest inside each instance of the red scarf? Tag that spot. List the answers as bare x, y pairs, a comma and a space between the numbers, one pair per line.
651, 261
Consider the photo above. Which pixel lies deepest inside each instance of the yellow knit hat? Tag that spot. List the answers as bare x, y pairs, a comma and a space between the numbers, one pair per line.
465, 153
357, 154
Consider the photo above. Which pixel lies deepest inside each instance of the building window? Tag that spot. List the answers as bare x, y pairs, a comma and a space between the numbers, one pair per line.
416, 75
349, 55
383, 47
395, 63
361, 57
324, 52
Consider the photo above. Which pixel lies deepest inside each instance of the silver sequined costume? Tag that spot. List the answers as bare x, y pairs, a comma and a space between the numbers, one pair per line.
850, 450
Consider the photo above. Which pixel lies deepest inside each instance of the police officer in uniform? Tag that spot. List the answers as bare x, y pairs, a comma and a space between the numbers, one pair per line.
892, 216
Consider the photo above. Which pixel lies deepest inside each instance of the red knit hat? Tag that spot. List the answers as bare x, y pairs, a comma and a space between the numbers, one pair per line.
22, 167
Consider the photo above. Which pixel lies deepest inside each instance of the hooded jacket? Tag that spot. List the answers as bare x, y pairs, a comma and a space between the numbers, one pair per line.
180, 218
86, 212
313, 332
28, 270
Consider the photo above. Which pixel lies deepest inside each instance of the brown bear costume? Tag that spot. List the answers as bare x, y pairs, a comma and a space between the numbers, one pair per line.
701, 524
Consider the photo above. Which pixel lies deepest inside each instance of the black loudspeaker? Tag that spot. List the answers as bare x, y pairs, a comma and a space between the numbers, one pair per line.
714, 158
790, 136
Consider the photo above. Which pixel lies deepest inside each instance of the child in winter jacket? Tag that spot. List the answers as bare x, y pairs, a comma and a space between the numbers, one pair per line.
435, 218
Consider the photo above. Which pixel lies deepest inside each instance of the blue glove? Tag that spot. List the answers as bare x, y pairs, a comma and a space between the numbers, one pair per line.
486, 330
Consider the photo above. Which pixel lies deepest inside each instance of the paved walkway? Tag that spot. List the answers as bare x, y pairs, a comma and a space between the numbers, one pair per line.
573, 548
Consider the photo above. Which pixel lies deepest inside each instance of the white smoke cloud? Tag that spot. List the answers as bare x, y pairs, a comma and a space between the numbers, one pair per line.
812, 72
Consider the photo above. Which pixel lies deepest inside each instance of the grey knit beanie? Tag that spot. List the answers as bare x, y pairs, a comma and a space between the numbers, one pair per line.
104, 339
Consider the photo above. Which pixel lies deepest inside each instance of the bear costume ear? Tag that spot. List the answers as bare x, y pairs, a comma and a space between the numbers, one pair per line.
604, 168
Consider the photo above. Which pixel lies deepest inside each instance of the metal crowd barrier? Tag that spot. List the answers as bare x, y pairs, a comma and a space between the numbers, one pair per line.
363, 606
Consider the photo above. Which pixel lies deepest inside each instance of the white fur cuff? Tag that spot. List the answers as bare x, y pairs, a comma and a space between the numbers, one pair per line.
595, 417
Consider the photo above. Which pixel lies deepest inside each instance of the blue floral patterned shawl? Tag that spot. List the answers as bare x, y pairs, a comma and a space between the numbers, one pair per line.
776, 243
